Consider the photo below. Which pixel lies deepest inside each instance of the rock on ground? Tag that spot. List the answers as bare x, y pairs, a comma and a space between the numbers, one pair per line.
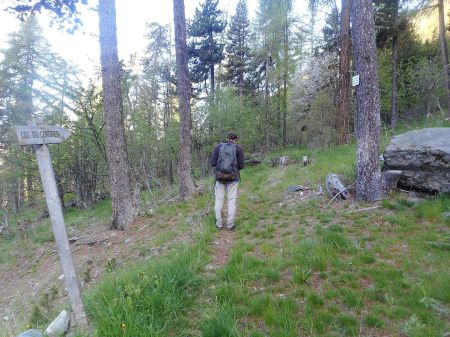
31, 333
423, 156
59, 326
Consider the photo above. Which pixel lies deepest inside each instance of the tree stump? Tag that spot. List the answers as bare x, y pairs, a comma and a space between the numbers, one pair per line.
335, 187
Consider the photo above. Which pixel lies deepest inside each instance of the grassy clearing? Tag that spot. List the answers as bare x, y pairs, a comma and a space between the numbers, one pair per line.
306, 271
295, 268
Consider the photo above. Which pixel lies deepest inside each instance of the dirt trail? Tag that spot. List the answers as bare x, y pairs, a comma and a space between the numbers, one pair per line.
223, 240
221, 248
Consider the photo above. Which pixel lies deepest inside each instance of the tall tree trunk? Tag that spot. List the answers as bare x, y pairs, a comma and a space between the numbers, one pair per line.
187, 187
344, 75
170, 169
285, 77
29, 187
212, 79
28, 109
266, 101
60, 187
13, 196
444, 50
394, 98
118, 165
368, 101
21, 195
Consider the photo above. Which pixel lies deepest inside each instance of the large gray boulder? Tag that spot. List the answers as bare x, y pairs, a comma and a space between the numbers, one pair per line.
423, 156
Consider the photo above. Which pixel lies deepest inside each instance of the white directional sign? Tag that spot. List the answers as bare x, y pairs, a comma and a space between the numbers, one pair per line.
40, 134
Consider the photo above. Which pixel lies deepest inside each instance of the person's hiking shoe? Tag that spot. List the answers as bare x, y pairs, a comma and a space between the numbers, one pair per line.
219, 225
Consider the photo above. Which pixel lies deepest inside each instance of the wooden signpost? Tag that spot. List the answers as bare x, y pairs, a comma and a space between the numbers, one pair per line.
39, 136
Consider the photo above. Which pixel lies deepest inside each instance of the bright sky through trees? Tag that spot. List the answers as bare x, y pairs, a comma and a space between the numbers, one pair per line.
82, 48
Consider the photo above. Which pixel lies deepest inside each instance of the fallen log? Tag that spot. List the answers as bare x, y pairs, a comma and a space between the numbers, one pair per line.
296, 188
252, 162
282, 161
336, 188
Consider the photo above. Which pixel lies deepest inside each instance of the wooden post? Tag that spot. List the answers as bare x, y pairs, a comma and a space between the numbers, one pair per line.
59, 230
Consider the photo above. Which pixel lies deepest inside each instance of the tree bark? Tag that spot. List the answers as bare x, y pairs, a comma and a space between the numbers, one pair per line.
213, 90
117, 156
29, 179
344, 75
394, 62
394, 98
368, 101
285, 78
444, 50
187, 187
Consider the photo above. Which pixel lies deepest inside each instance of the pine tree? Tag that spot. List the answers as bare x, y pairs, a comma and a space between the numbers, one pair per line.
65, 11
342, 118
35, 82
368, 184
274, 66
444, 49
390, 24
238, 50
331, 31
118, 165
187, 187
204, 49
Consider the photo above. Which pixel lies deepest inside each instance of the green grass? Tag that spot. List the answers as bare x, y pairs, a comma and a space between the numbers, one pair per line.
147, 299
295, 268
164, 237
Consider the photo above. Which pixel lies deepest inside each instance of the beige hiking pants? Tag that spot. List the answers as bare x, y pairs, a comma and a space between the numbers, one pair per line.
230, 189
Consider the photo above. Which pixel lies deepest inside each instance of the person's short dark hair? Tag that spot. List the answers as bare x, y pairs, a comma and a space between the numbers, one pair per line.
232, 136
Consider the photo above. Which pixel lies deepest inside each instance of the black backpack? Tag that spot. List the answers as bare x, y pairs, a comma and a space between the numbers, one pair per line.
227, 165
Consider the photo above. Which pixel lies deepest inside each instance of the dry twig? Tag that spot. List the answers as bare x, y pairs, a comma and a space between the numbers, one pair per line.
364, 209
338, 194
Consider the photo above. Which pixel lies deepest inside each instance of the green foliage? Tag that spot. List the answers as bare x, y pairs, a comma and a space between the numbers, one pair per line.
238, 50
228, 112
35, 83
205, 50
331, 31
146, 300
320, 128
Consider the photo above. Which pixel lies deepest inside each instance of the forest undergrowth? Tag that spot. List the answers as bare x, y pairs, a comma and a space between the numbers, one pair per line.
296, 266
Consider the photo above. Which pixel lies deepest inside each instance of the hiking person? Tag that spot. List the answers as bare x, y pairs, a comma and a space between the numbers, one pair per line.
227, 160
